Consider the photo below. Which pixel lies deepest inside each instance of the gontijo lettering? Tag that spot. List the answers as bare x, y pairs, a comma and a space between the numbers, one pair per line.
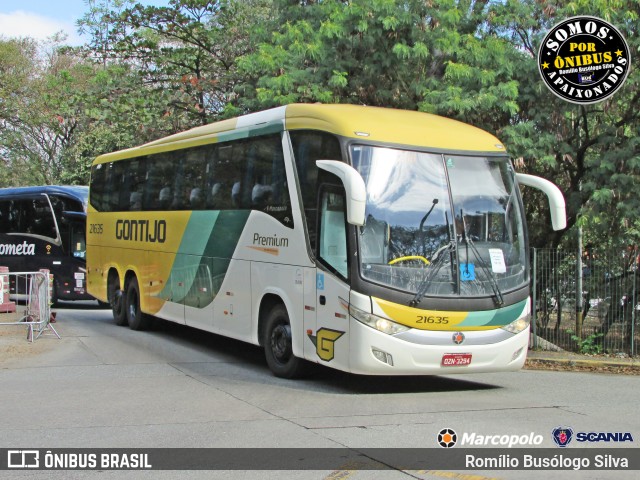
141, 230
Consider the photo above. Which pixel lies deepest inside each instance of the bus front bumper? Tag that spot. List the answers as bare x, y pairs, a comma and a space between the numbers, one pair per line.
376, 353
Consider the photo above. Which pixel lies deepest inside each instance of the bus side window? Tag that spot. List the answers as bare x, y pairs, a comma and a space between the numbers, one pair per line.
242, 166
309, 146
333, 231
222, 197
98, 181
36, 218
77, 239
5, 216
212, 185
118, 194
133, 185
153, 185
194, 168
260, 173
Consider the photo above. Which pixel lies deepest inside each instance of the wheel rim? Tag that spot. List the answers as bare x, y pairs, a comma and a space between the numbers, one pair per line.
116, 302
281, 343
133, 305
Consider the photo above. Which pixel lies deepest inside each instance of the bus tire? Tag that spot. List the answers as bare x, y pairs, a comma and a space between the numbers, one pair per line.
116, 300
278, 346
136, 319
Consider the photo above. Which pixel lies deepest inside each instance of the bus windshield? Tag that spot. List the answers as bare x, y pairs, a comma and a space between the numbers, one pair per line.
440, 224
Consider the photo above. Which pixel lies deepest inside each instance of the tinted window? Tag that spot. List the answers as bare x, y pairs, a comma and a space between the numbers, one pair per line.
309, 146
30, 216
244, 174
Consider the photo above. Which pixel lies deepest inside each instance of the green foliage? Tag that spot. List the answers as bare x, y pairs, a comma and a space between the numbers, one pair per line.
151, 71
590, 151
437, 57
184, 53
590, 345
38, 117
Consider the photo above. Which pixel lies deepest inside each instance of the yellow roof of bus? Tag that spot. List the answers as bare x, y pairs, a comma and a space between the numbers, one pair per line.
373, 124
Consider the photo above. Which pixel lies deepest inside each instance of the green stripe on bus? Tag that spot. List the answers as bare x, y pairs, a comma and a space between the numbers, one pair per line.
249, 132
498, 317
204, 256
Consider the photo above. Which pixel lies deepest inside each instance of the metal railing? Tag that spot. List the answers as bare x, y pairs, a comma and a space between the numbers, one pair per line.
32, 307
599, 317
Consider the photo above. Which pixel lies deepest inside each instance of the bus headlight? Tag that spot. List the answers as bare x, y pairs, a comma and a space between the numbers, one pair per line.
381, 324
518, 325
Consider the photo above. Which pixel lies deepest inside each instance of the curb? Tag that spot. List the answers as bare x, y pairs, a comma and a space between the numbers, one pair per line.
571, 361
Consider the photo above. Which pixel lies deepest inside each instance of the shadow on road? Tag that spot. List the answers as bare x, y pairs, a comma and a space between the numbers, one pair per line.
249, 365
238, 361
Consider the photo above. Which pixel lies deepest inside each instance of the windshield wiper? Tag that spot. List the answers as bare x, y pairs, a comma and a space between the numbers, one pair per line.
434, 268
487, 271
424, 219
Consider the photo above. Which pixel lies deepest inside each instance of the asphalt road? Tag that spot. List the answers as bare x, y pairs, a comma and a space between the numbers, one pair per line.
105, 386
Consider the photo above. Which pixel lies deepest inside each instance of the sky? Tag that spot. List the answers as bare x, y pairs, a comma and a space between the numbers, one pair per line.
41, 19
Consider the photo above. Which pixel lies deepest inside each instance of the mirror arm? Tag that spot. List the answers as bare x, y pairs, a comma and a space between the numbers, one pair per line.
354, 187
553, 193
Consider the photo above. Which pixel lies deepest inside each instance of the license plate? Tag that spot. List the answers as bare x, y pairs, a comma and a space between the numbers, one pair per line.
456, 359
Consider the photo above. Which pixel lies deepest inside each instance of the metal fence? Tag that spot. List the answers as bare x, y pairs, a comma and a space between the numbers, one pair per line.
586, 304
31, 292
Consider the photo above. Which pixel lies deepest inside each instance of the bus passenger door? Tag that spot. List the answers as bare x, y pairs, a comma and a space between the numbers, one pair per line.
331, 336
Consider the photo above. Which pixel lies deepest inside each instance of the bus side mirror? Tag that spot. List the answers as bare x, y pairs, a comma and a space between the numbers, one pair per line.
353, 186
553, 193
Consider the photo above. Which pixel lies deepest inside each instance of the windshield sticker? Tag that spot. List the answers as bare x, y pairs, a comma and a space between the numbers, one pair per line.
497, 260
467, 272
450, 163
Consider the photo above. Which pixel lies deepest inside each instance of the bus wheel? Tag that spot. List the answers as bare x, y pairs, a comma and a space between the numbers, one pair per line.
137, 320
117, 304
278, 345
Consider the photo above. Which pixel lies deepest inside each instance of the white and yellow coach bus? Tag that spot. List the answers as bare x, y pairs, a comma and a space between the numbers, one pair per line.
371, 240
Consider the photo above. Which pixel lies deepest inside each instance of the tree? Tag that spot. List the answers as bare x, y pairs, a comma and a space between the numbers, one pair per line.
591, 151
430, 56
184, 53
37, 121
474, 61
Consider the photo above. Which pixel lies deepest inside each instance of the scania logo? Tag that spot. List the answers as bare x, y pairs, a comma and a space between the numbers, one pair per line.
562, 436
458, 338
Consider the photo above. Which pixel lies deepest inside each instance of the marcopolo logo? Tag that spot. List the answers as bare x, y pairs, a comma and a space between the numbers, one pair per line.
584, 60
448, 438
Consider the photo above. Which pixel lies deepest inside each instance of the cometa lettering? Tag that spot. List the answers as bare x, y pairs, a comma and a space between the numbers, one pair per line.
141, 230
20, 249
273, 241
